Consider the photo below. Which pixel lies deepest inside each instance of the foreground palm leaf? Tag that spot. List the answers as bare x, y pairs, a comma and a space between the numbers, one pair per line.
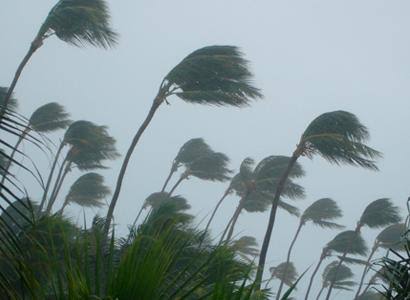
214, 75
77, 22
337, 136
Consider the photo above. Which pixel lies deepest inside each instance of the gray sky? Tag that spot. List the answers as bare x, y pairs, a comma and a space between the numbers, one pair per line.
308, 57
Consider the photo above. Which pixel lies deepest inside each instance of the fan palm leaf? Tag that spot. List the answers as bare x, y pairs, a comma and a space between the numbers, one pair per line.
337, 136
215, 75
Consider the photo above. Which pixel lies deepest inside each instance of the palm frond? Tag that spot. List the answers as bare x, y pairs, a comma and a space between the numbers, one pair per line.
246, 247
12, 103
380, 213
88, 191
155, 200
370, 295
350, 242
292, 210
340, 138
49, 117
192, 150
213, 166
286, 272
392, 237
353, 261
322, 212
80, 22
214, 75
339, 274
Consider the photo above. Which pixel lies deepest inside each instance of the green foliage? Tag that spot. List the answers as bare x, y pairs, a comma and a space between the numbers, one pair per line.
340, 138
12, 104
322, 212
350, 242
246, 247
49, 117
192, 150
370, 295
80, 22
380, 213
392, 237
286, 272
213, 75
155, 200
340, 275
213, 167
88, 191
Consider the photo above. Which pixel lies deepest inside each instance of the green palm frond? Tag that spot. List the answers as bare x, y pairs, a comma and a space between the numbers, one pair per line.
246, 247
213, 75
339, 274
350, 242
3, 162
322, 212
292, 210
370, 295
392, 237
212, 166
192, 150
88, 191
49, 117
155, 200
353, 261
340, 138
274, 166
286, 272
80, 22
12, 103
380, 213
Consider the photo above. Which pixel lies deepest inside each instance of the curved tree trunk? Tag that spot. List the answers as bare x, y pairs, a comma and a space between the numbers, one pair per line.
332, 283
266, 240
57, 188
320, 293
279, 292
365, 270
176, 185
137, 217
33, 47
168, 178
155, 105
226, 230
12, 154
234, 220
50, 176
322, 257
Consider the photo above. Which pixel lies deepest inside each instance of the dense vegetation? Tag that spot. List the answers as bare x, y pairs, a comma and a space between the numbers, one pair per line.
166, 254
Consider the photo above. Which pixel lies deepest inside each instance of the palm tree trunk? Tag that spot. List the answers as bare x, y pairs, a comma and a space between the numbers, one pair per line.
138, 215
33, 47
168, 178
234, 220
176, 185
12, 154
322, 257
266, 240
226, 230
155, 105
279, 292
57, 189
320, 292
50, 176
332, 283
365, 270
60, 212
215, 210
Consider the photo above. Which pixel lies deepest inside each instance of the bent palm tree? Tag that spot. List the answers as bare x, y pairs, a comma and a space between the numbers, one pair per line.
340, 275
339, 137
214, 75
321, 213
76, 22
87, 191
285, 272
348, 241
47, 118
256, 187
389, 238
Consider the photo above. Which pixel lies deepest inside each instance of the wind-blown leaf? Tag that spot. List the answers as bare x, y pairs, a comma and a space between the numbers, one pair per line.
49, 117
12, 104
191, 150
380, 213
339, 274
322, 212
155, 200
350, 242
392, 237
213, 167
285, 272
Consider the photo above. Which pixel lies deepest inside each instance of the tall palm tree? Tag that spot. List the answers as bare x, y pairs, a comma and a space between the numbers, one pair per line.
377, 214
339, 137
190, 151
339, 274
321, 213
212, 166
76, 22
213, 75
256, 187
47, 118
285, 272
89, 145
389, 238
88, 190
348, 241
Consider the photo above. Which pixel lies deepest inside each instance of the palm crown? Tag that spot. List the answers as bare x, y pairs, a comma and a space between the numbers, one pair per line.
156, 200
322, 212
392, 236
286, 272
49, 117
348, 241
379, 213
339, 275
246, 247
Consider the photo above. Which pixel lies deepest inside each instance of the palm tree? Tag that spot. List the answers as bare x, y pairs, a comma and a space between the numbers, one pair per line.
212, 166
190, 151
348, 241
256, 187
45, 119
76, 22
388, 238
377, 214
339, 274
89, 146
285, 272
246, 247
87, 191
321, 213
339, 137
213, 75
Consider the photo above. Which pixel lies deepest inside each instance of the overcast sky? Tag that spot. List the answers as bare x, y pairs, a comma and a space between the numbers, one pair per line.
308, 57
